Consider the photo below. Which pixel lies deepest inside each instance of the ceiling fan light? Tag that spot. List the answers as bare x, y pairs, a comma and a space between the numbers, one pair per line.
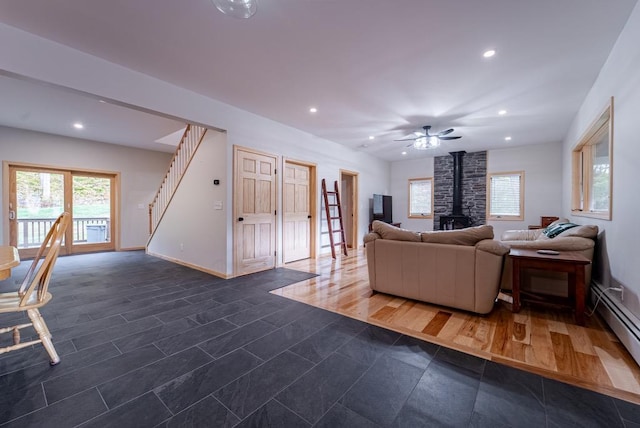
237, 8
426, 143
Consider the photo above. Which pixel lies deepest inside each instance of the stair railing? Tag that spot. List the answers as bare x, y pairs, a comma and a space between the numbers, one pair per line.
188, 145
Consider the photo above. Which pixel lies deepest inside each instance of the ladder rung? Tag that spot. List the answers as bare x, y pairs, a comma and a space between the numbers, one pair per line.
334, 218
337, 244
333, 205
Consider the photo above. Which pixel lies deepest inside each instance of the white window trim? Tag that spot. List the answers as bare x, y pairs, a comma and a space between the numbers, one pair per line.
521, 202
428, 215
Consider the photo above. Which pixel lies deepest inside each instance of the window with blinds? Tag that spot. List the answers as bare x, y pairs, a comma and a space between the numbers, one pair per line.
421, 198
506, 196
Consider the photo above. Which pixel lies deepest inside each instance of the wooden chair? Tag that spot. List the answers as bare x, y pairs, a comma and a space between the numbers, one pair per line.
33, 293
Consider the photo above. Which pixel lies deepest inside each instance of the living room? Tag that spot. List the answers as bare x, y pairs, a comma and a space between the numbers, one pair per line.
547, 166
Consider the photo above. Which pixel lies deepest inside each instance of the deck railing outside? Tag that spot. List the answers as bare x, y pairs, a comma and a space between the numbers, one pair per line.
32, 231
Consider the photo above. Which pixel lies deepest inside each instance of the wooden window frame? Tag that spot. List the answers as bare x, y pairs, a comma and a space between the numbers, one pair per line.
421, 215
521, 202
582, 166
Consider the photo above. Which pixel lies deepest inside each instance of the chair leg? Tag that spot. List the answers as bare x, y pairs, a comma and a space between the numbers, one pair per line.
43, 332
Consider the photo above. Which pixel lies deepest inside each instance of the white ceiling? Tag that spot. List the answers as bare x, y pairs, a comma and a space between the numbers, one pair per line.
371, 67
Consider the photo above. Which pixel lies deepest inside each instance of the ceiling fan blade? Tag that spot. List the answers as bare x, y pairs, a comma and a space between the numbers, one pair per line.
443, 133
409, 139
449, 138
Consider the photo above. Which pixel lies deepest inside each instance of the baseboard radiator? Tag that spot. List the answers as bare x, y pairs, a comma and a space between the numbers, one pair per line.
621, 320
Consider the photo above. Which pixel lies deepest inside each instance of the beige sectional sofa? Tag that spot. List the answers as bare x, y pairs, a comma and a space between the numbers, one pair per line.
456, 268
578, 238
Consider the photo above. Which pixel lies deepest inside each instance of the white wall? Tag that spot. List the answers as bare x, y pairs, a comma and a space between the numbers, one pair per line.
140, 173
30, 56
401, 172
620, 78
542, 166
192, 229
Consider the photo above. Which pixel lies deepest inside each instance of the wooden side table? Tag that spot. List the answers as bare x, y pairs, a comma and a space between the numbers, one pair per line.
572, 263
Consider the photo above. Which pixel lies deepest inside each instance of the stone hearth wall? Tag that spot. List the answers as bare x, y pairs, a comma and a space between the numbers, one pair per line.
474, 187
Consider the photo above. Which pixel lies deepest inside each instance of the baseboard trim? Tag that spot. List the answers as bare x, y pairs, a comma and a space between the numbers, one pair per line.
131, 249
621, 320
190, 265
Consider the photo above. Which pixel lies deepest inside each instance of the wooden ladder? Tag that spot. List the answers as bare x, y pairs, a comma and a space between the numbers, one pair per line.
330, 206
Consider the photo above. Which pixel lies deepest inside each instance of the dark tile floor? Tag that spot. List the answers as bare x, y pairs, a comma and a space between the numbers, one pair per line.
145, 342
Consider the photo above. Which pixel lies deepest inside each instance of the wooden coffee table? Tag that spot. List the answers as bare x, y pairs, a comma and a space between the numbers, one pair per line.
573, 263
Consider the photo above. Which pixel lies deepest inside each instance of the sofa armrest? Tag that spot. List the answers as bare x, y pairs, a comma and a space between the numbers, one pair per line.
521, 235
370, 237
492, 246
558, 244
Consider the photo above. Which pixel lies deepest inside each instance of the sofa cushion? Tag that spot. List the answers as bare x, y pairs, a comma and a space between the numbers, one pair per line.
554, 230
583, 231
387, 231
467, 236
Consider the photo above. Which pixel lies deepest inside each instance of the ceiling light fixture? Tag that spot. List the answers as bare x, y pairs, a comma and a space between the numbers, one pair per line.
313, 110
371, 137
426, 143
78, 125
489, 53
507, 138
404, 153
237, 8
502, 112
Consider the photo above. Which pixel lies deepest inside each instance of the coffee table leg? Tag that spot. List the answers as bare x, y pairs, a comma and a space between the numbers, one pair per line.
515, 285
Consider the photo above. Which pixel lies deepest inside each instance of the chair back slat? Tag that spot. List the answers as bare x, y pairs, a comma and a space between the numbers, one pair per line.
39, 273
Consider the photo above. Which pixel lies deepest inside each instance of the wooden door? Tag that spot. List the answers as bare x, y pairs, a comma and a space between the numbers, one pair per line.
255, 212
348, 199
296, 214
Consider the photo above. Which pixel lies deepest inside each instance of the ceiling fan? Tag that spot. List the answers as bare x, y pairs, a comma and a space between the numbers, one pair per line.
423, 140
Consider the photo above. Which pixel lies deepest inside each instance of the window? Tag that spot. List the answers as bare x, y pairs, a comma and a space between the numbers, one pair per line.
506, 196
421, 198
591, 175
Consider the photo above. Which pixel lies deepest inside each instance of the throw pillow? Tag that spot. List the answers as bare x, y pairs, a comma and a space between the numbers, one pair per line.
556, 229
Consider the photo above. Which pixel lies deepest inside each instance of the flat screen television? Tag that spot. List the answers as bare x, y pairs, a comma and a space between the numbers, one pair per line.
382, 208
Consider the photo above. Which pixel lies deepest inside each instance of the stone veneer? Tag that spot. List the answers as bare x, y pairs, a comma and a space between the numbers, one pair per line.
474, 187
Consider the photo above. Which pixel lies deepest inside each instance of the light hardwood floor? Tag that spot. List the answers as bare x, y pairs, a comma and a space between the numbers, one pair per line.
539, 340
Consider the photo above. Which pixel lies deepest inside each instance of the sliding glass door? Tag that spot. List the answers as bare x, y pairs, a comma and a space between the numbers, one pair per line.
39, 195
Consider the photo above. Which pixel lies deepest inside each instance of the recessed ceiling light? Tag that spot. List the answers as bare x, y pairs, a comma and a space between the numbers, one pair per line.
404, 153
502, 112
78, 125
507, 138
489, 53
371, 137
365, 145
102, 101
313, 110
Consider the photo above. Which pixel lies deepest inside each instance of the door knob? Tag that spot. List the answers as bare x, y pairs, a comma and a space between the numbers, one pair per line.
240, 218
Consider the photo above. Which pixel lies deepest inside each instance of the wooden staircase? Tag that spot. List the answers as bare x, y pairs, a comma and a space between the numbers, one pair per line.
188, 145
333, 211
